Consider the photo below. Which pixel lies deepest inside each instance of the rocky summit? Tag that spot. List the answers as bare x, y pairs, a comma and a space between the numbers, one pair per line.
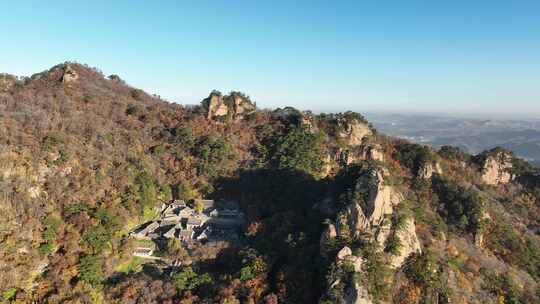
109, 194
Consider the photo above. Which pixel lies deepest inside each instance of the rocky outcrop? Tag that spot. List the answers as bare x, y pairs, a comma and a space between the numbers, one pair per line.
409, 243
70, 75
352, 221
363, 218
352, 131
290, 115
357, 294
7, 82
368, 218
343, 253
496, 168
354, 294
362, 152
234, 106
479, 234
373, 152
427, 170
329, 233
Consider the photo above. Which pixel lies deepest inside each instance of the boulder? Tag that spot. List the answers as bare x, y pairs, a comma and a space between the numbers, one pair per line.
344, 252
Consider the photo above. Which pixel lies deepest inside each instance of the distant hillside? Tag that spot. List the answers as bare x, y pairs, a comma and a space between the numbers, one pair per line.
335, 211
472, 135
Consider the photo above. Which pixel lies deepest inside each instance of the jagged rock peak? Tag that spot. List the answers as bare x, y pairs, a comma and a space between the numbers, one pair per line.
496, 166
235, 106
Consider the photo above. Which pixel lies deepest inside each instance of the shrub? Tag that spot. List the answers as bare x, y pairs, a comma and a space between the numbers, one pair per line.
75, 209
463, 208
376, 272
137, 94
299, 150
393, 244
413, 156
187, 279
8, 295
49, 234
90, 269
423, 269
515, 249
96, 238
453, 153
107, 219
148, 192
214, 156
51, 141
133, 110
502, 287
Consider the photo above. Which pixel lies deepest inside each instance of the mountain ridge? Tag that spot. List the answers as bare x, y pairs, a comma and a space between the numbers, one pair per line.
336, 211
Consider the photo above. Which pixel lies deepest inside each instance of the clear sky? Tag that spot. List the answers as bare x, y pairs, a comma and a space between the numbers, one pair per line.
418, 56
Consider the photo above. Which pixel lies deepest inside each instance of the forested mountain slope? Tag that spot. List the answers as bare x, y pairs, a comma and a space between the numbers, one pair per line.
335, 211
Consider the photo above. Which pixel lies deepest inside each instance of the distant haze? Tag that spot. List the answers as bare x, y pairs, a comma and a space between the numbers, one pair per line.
473, 135
456, 57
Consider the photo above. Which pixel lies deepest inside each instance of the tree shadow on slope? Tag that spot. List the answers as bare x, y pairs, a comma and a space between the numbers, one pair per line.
284, 226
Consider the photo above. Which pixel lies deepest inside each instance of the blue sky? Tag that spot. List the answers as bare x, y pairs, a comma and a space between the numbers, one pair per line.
446, 57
